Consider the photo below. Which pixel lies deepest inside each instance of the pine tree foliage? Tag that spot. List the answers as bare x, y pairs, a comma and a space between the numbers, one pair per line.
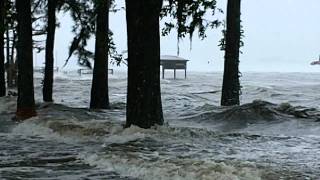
189, 16
83, 13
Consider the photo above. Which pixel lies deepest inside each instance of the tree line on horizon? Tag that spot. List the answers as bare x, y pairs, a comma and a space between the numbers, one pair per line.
22, 20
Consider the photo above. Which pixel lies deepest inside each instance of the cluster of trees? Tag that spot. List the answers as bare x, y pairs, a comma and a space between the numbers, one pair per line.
91, 17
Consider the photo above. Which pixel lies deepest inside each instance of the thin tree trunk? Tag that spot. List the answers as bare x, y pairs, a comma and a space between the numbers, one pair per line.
11, 68
26, 103
99, 89
49, 62
11, 64
2, 30
144, 107
9, 74
231, 83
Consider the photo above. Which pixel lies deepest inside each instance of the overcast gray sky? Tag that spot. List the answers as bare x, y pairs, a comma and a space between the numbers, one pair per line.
280, 35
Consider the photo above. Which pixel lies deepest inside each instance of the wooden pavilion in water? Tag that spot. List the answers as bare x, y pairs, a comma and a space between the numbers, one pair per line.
175, 63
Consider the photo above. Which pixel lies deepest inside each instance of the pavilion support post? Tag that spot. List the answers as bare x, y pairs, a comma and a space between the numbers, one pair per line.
185, 73
174, 72
163, 72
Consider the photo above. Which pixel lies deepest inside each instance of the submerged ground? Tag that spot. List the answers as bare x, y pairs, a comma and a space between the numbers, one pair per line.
275, 134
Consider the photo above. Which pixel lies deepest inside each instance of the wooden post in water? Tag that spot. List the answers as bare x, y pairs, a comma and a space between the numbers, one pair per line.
163, 72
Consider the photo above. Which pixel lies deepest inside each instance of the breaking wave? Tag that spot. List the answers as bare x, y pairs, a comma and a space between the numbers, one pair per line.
256, 111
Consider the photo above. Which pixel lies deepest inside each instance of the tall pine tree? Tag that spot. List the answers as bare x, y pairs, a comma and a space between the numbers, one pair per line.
2, 30
26, 103
49, 61
144, 107
99, 90
231, 82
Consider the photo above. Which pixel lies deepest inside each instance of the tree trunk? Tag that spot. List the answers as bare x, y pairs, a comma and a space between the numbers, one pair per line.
9, 82
2, 30
26, 103
9, 74
99, 89
11, 64
144, 107
49, 62
231, 83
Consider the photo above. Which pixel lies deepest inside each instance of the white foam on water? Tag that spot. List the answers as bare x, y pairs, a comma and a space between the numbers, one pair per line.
153, 165
167, 169
29, 128
32, 127
121, 136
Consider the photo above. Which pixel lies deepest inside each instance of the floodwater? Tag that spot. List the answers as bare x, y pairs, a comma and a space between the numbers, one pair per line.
275, 134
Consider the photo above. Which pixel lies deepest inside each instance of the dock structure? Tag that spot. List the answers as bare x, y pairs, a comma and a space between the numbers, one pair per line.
40, 69
175, 63
90, 71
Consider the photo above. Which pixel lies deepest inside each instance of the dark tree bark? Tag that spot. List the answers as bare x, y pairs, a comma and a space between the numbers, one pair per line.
2, 30
49, 62
144, 107
99, 89
231, 83
26, 103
